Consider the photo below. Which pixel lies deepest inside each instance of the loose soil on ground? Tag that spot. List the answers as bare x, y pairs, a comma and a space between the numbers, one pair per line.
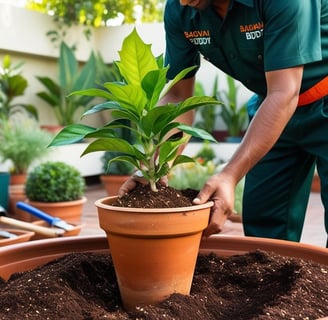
254, 286
258, 285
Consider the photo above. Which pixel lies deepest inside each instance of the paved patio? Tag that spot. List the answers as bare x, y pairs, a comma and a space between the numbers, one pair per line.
313, 233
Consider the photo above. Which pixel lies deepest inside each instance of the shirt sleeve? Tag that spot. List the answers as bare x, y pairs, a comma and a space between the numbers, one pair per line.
180, 53
291, 33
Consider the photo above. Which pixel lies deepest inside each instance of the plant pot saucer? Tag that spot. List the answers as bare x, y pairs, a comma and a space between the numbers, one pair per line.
21, 236
74, 232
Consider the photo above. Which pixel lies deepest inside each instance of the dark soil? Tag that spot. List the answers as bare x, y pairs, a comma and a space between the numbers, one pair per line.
258, 285
166, 197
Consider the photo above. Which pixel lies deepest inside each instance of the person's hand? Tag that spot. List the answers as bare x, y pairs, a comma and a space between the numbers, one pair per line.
133, 180
220, 189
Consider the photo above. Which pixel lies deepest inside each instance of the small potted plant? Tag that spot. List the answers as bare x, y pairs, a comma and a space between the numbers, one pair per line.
144, 241
22, 143
70, 78
58, 189
12, 85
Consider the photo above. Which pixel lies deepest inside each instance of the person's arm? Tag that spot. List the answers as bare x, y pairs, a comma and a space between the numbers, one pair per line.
264, 130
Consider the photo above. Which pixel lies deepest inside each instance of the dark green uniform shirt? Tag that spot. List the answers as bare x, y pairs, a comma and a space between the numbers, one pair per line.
255, 36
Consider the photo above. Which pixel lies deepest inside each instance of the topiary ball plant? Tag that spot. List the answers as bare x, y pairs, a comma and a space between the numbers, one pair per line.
54, 182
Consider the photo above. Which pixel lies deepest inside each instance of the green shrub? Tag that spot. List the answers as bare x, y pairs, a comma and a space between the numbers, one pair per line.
54, 182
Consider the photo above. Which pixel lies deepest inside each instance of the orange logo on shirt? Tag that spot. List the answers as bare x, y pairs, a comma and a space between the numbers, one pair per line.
252, 31
198, 37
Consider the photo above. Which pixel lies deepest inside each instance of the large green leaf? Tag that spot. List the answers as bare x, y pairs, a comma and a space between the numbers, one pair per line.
71, 134
68, 67
136, 59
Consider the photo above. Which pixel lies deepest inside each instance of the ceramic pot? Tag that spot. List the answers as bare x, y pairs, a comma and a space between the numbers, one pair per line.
21, 236
154, 251
70, 211
112, 183
17, 193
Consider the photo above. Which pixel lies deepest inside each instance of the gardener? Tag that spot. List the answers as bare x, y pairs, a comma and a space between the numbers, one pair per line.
279, 50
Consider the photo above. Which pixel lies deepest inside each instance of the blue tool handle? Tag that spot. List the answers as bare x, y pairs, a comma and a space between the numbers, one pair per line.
36, 212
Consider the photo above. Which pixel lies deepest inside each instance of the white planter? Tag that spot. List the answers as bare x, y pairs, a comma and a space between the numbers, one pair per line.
223, 150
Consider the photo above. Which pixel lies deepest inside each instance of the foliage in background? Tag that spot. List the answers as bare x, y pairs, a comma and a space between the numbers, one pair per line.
208, 113
116, 168
233, 115
54, 182
22, 143
12, 85
70, 78
96, 13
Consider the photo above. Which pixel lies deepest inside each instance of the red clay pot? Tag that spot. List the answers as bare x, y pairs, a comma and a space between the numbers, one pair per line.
112, 183
154, 251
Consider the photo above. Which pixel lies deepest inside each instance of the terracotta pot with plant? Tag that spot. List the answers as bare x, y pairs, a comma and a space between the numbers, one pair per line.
22, 142
58, 189
154, 251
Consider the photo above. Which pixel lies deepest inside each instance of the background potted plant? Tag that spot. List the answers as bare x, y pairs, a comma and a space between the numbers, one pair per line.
143, 276
13, 85
57, 189
22, 143
233, 115
70, 78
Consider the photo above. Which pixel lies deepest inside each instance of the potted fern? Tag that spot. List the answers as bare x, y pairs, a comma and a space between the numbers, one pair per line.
144, 240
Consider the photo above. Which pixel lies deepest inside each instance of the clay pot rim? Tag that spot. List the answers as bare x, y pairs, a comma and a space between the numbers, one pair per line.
58, 204
101, 203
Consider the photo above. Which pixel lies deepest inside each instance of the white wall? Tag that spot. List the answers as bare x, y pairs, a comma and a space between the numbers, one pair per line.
23, 36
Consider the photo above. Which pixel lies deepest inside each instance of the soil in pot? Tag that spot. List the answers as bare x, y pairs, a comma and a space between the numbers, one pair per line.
257, 285
166, 197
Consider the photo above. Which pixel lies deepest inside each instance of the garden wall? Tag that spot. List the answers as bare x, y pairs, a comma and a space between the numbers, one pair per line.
23, 36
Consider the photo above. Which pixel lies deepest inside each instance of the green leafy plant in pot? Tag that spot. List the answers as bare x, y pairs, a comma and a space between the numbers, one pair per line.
56, 188
12, 85
145, 241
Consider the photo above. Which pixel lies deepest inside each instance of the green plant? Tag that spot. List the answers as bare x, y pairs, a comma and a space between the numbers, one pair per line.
233, 115
22, 143
207, 113
12, 85
54, 181
136, 100
116, 168
70, 78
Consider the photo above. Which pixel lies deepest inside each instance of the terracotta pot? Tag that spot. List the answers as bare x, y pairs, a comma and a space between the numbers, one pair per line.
21, 236
18, 179
70, 211
17, 193
74, 232
29, 255
112, 183
154, 251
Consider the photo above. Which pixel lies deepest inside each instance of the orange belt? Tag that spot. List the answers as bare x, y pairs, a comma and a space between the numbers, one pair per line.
318, 91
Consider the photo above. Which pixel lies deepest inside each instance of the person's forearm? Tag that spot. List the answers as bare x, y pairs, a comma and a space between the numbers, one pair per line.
263, 132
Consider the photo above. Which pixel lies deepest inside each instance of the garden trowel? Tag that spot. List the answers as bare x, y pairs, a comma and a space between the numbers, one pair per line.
53, 221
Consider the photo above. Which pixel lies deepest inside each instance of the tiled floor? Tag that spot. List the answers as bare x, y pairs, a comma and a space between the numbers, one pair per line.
313, 232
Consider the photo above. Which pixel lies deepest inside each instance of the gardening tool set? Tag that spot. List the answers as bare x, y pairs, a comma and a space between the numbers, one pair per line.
58, 227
